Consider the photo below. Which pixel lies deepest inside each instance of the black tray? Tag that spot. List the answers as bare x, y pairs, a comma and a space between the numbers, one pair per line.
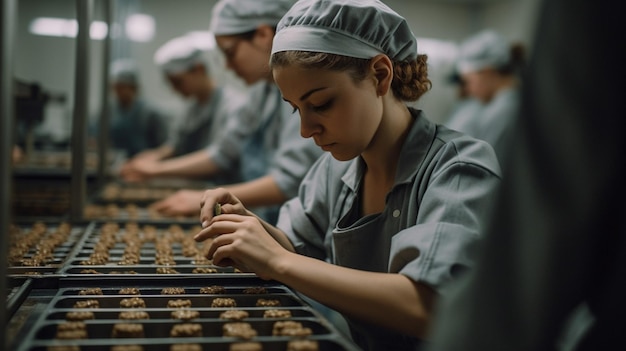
146, 192
147, 265
42, 334
60, 253
130, 211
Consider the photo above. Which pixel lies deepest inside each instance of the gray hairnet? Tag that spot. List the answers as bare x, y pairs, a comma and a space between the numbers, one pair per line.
179, 55
230, 17
124, 71
486, 49
354, 28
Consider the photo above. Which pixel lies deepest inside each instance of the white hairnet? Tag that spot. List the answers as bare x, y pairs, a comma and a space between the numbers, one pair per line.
486, 49
124, 71
231, 17
179, 55
355, 28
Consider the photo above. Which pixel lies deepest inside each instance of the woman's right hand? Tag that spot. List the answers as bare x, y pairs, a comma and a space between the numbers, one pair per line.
222, 199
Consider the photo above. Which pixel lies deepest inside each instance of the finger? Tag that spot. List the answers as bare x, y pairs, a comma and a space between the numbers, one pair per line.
203, 235
209, 201
216, 229
219, 243
159, 205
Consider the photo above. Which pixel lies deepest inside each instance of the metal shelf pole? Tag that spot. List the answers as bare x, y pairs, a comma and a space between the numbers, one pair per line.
8, 11
103, 135
84, 13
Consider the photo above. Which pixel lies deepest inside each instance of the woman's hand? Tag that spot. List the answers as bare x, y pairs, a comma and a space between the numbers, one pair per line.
222, 199
182, 202
140, 169
242, 241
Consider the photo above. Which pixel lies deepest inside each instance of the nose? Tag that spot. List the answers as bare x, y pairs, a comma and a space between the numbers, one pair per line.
308, 127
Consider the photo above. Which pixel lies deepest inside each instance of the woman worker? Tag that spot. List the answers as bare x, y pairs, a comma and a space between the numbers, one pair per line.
383, 221
213, 108
274, 158
488, 67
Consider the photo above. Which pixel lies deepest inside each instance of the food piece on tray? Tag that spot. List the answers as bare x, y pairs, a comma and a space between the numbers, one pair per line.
166, 270
179, 303
302, 345
72, 330
79, 315
246, 346
234, 315
87, 304
204, 270
91, 291
134, 315
89, 271
185, 314
129, 291
186, 347
239, 330
186, 330
267, 303
126, 348
127, 330
223, 302
133, 302
274, 313
290, 328
255, 290
214, 289
172, 291
64, 348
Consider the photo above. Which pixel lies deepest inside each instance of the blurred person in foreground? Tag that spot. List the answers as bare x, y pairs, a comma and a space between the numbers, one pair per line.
557, 243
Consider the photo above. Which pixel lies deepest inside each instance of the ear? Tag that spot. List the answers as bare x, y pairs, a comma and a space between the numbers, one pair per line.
263, 36
382, 71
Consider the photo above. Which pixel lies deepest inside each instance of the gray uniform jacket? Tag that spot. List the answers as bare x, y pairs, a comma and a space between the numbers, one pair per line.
207, 124
203, 123
435, 211
492, 122
272, 146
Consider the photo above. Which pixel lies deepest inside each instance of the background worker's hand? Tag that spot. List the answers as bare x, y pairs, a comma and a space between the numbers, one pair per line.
182, 202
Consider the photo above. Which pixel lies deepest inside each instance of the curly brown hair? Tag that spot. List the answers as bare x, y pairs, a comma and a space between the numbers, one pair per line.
410, 78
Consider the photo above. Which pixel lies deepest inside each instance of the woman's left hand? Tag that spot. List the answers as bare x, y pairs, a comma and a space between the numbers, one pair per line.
242, 241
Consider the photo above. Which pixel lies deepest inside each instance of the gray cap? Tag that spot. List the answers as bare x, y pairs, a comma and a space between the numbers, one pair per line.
231, 17
124, 71
486, 49
354, 28
179, 55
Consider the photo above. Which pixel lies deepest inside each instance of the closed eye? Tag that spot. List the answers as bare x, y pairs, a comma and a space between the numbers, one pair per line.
324, 106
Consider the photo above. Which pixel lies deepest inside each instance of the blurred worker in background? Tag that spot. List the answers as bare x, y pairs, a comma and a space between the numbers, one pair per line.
488, 68
135, 126
275, 158
465, 109
557, 244
212, 110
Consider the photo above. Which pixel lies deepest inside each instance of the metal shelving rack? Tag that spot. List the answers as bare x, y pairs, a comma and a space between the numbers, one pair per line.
7, 27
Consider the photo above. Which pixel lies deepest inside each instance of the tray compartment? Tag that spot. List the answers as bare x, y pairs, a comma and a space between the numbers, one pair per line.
43, 334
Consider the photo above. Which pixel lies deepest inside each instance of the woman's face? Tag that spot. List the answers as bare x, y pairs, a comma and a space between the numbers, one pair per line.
183, 83
341, 115
247, 58
481, 84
